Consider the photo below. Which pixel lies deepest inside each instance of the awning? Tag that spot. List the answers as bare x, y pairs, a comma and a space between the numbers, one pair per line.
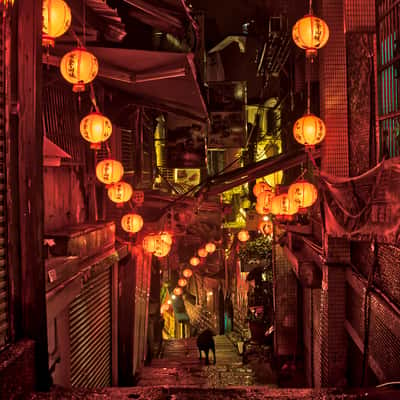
239, 176
160, 80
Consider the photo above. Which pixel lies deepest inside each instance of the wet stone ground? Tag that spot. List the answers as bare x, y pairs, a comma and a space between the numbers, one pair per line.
180, 375
180, 365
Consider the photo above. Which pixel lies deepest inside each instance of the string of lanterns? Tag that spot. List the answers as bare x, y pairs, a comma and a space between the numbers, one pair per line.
311, 34
80, 67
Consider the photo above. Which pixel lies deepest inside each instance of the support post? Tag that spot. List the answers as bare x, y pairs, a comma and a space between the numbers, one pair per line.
30, 173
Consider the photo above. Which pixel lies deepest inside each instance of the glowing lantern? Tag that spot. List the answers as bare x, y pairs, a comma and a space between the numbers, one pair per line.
56, 20
304, 193
79, 67
182, 282
283, 205
178, 291
149, 243
138, 197
166, 238
265, 227
260, 209
132, 223
243, 236
162, 249
120, 192
260, 187
210, 247
309, 130
202, 252
194, 261
95, 128
310, 33
187, 273
109, 171
265, 201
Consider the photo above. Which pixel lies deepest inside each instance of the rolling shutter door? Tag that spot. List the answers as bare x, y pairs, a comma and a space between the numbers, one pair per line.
3, 222
91, 334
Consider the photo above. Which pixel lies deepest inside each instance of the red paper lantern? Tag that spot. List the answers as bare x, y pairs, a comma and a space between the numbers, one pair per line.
187, 273
109, 171
265, 201
182, 282
79, 67
260, 187
95, 128
283, 205
202, 252
120, 192
166, 237
194, 261
56, 17
243, 236
178, 291
309, 130
132, 223
304, 193
210, 247
310, 33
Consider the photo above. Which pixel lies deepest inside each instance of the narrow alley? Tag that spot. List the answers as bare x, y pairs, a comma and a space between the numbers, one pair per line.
180, 365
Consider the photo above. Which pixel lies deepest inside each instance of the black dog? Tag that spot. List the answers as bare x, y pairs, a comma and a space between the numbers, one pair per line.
205, 342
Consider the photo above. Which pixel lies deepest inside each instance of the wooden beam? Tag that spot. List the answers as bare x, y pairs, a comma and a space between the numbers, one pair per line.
30, 170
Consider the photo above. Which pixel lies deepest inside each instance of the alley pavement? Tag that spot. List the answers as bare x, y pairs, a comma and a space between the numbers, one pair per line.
180, 365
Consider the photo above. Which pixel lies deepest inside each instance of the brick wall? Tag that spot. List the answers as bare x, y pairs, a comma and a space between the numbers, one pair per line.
332, 332
333, 94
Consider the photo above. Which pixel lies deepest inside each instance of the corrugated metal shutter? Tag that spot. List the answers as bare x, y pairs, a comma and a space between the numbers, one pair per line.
91, 334
3, 223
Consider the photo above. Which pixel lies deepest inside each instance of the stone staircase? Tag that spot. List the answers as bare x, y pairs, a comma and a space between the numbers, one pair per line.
180, 365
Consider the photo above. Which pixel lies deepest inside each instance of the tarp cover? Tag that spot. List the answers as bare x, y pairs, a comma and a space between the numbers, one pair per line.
365, 207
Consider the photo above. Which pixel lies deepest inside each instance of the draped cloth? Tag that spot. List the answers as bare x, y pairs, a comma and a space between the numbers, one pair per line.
364, 207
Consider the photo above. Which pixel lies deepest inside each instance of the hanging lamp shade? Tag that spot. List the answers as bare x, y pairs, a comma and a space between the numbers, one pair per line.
266, 227
182, 282
109, 171
120, 192
309, 130
265, 200
283, 205
149, 243
95, 128
132, 223
56, 17
79, 67
162, 249
178, 291
304, 193
166, 238
210, 247
243, 235
260, 209
202, 252
260, 187
187, 273
194, 261
310, 33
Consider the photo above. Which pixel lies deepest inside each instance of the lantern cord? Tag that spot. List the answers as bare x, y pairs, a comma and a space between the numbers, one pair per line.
108, 149
93, 98
84, 22
310, 8
308, 72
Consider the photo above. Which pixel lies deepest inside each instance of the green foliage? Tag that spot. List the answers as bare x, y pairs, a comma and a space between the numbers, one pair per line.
256, 250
